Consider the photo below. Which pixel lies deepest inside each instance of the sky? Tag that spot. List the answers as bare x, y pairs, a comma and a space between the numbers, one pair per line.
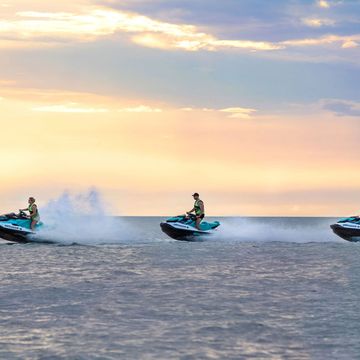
254, 104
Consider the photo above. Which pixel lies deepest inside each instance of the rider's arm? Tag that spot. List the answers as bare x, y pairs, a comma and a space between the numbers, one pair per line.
192, 210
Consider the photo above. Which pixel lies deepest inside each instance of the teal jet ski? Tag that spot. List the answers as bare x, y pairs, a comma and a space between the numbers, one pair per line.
16, 228
183, 228
348, 228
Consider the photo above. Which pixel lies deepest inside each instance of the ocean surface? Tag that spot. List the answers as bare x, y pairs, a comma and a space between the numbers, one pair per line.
261, 288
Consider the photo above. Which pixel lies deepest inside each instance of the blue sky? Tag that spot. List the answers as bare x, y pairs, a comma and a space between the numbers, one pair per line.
253, 19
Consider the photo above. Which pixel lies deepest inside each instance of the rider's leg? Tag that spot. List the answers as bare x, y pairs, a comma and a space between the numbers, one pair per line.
33, 224
198, 221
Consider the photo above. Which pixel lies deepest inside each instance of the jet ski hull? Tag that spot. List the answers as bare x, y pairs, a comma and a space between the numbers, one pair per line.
21, 236
16, 228
184, 228
347, 231
13, 236
182, 234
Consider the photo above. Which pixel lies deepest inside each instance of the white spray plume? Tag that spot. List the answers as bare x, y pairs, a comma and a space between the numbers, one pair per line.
80, 218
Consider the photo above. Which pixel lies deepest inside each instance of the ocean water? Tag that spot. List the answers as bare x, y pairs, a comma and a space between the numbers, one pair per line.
261, 288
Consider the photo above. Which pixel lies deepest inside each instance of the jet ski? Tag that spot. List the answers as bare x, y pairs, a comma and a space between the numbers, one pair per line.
16, 228
183, 228
348, 228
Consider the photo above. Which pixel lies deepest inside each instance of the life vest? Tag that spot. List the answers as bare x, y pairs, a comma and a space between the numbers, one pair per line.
35, 216
197, 207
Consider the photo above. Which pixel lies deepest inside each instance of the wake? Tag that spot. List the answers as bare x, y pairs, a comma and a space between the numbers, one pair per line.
296, 230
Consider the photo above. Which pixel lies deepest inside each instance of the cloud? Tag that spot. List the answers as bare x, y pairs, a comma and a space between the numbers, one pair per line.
68, 108
42, 29
238, 112
233, 112
59, 101
342, 107
345, 41
323, 4
200, 41
349, 44
326, 4
51, 28
317, 22
141, 109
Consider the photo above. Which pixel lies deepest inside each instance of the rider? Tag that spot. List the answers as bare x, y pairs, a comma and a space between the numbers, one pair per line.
199, 210
34, 213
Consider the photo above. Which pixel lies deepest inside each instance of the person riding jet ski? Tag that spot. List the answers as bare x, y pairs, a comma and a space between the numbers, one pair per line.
33, 213
190, 227
199, 210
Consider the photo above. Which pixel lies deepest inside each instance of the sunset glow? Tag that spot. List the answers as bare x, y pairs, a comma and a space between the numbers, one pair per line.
150, 105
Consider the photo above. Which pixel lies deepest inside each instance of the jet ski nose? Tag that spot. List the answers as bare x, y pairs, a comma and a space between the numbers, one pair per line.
335, 227
165, 227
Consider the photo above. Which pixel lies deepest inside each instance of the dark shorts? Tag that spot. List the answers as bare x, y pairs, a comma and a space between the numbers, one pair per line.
202, 216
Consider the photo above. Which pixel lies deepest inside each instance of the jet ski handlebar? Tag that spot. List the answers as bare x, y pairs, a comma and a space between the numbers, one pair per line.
22, 214
190, 216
